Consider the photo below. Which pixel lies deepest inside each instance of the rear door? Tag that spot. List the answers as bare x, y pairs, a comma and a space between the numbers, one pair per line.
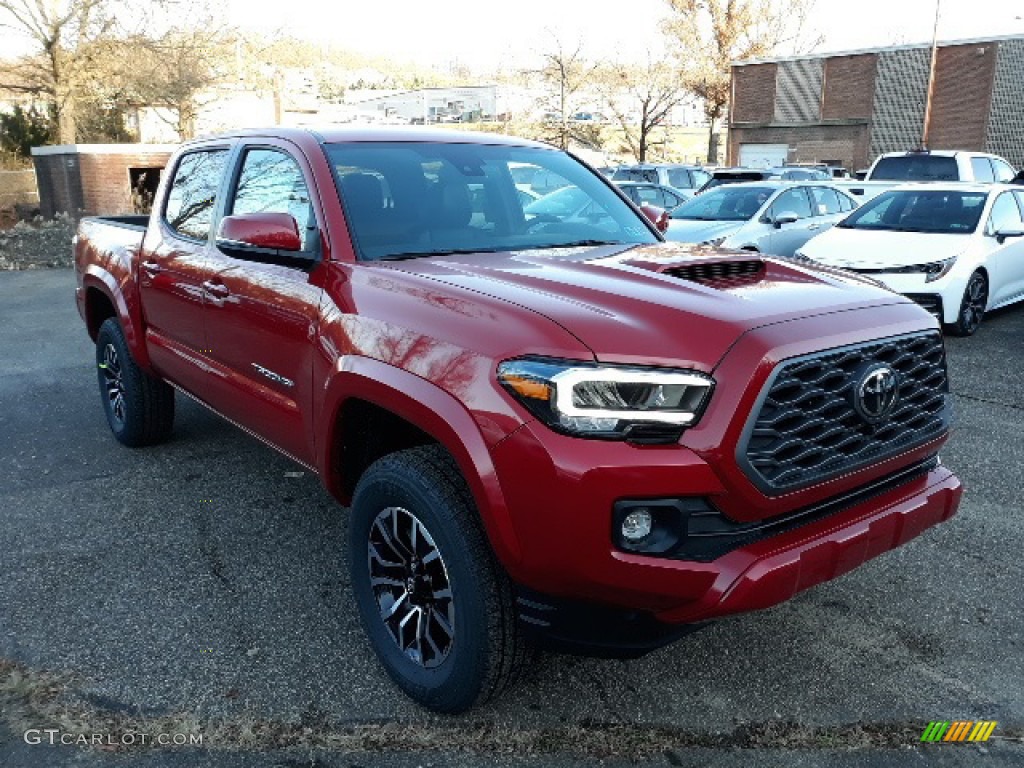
262, 318
175, 263
827, 207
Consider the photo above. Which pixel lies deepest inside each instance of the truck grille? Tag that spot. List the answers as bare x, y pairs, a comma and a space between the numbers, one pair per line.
808, 429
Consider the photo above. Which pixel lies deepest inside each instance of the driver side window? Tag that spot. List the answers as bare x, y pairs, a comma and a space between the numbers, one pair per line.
792, 201
1005, 214
271, 181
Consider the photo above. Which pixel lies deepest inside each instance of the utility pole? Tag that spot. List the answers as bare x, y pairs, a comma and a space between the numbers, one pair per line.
931, 78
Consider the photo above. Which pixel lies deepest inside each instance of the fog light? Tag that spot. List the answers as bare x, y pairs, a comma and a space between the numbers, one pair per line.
637, 525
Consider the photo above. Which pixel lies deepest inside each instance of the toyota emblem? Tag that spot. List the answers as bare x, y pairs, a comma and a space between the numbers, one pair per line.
876, 393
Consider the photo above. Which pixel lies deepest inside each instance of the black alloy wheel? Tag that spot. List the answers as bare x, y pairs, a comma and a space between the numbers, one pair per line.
972, 307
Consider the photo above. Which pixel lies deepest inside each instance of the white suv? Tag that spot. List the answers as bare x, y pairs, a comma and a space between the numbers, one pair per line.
941, 165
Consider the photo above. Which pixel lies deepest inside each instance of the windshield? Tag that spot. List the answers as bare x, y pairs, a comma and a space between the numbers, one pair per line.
916, 168
409, 199
920, 211
728, 203
649, 175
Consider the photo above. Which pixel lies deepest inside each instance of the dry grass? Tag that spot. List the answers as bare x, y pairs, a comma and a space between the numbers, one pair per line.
36, 699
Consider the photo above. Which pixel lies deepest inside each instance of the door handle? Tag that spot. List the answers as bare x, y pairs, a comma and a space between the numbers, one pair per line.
217, 290
813, 227
152, 268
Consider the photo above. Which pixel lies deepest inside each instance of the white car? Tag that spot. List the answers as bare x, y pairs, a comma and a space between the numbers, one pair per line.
774, 217
940, 165
956, 249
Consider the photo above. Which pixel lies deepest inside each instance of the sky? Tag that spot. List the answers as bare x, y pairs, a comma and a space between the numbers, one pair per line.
485, 35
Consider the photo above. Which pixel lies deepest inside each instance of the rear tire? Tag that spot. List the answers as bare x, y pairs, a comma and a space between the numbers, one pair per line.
436, 605
972, 307
139, 407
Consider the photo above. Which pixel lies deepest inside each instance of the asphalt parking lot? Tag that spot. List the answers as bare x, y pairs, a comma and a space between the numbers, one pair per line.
198, 587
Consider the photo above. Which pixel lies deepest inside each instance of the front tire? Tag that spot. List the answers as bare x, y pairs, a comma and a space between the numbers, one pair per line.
139, 407
972, 306
437, 607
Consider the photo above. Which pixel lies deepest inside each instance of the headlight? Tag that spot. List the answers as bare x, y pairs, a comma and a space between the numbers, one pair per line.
647, 405
937, 269
716, 241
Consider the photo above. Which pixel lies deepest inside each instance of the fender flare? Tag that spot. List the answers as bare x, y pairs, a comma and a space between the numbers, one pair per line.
129, 316
435, 412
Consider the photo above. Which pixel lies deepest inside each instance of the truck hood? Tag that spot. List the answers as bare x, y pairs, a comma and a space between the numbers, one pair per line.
693, 231
877, 249
661, 304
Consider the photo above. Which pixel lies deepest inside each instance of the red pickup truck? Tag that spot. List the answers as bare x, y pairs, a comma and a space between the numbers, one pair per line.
547, 425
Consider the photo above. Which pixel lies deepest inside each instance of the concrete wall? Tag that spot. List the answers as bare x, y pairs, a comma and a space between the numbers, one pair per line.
1005, 133
18, 187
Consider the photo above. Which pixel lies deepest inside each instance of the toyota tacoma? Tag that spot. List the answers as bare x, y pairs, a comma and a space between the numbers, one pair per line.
547, 427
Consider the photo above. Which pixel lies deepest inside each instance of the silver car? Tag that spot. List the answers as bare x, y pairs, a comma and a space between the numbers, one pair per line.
774, 217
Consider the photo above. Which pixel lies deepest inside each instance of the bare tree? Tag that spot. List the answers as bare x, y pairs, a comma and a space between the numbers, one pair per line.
710, 34
175, 72
565, 73
649, 92
64, 33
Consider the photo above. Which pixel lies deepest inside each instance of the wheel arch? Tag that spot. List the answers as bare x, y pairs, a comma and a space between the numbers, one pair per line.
104, 298
411, 411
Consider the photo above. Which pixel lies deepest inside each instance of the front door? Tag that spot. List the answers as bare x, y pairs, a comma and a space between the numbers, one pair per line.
788, 237
262, 319
1006, 259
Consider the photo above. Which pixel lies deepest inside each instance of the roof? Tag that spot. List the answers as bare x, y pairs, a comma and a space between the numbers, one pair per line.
937, 153
884, 49
339, 134
951, 186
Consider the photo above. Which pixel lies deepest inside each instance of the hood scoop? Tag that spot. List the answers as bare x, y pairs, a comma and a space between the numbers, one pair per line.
720, 274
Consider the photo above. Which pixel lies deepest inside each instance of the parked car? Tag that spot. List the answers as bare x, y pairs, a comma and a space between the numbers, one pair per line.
831, 171
543, 429
684, 178
723, 176
769, 216
956, 249
659, 195
940, 165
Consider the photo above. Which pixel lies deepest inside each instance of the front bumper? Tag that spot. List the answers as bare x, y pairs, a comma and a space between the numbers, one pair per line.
563, 517
940, 297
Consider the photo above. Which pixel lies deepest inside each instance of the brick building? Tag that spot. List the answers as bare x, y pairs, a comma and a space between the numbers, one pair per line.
847, 108
88, 179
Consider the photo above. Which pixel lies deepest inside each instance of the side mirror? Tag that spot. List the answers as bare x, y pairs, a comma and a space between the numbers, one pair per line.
786, 217
658, 216
1001, 235
260, 232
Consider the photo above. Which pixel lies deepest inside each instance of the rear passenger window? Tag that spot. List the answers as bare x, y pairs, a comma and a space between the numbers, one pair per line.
982, 169
845, 203
826, 201
679, 178
1004, 171
272, 182
193, 193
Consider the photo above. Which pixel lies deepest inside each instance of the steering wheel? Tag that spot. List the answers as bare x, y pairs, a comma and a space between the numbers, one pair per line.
542, 218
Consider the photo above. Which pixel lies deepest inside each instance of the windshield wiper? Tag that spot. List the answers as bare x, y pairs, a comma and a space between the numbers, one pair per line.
584, 244
438, 252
